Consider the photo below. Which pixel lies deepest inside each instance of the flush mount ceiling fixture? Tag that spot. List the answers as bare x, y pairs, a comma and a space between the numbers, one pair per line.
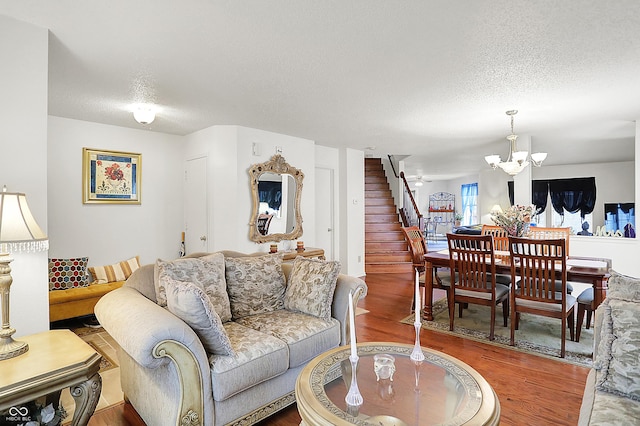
419, 181
517, 160
144, 113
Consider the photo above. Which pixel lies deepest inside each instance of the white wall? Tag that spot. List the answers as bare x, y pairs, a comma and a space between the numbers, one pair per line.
230, 153
23, 163
352, 215
109, 233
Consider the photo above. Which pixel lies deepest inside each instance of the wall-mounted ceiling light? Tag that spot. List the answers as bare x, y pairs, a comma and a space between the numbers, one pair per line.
144, 113
517, 160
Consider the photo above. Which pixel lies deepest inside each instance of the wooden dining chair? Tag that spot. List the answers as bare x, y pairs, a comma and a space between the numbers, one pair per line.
472, 256
540, 265
418, 248
500, 243
539, 232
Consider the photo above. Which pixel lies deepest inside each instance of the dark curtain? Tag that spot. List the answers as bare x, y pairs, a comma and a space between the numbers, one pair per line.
270, 193
573, 195
539, 195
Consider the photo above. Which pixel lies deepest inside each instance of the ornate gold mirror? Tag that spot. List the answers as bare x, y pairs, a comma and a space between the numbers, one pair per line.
275, 190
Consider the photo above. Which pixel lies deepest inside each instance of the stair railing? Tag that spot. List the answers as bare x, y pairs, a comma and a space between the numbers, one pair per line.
409, 212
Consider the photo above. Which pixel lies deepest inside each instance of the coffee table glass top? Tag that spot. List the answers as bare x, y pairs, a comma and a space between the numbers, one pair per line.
439, 390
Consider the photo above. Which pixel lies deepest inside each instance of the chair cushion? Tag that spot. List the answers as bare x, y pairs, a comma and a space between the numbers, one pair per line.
206, 272
501, 290
255, 284
552, 307
586, 297
259, 357
306, 335
311, 285
191, 304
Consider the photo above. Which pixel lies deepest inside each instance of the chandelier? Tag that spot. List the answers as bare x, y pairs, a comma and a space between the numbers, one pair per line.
517, 160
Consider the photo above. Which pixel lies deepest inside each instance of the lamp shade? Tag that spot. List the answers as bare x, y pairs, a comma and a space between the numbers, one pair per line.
19, 231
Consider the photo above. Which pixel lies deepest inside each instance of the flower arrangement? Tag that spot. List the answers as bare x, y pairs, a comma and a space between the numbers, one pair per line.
515, 220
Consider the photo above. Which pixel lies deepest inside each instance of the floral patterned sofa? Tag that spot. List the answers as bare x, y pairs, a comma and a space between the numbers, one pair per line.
612, 392
220, 338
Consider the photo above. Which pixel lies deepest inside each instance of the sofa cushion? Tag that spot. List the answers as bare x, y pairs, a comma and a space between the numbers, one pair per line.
610, 409
117, 272
616, 358
259, 357
68, 273
255, 284
206, 272
311, 286
191, 304
306, 335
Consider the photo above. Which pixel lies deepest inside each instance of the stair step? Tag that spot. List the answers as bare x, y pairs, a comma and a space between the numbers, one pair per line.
388, 257
383, 209
379, 186
383, 236
382, 227
381, 193
380, 218
375, 179
388, 268
378, 202
384, 246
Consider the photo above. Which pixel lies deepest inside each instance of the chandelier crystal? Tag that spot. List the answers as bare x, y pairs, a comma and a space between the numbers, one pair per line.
517, 160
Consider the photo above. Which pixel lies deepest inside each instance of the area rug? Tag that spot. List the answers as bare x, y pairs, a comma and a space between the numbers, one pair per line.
106, 363
536, 335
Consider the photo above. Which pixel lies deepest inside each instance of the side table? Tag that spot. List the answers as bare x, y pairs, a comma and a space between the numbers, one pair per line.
307, 252
56, 359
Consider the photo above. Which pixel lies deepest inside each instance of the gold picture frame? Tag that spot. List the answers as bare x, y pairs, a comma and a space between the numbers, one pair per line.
111, 177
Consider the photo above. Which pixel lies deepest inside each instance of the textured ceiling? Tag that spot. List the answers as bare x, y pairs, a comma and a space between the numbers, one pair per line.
430, 79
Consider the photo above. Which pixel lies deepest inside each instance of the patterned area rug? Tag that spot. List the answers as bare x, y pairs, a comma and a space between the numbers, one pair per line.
536, 335
106, 363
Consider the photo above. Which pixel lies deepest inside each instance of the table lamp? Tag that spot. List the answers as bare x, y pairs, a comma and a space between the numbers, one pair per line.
19, 232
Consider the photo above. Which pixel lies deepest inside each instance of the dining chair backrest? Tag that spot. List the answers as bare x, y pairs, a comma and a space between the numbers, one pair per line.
539, 232
473, 258
500, 236
538, 265
417, 246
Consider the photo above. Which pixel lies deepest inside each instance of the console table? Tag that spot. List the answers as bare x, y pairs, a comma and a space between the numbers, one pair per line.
307, 252
56, 359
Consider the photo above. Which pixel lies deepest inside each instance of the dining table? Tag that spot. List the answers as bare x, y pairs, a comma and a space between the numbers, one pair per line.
592, 270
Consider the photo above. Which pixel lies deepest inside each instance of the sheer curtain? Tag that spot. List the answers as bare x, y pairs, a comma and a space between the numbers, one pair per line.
469, 203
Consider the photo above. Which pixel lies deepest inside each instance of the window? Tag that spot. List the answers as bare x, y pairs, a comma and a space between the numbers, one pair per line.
469, 203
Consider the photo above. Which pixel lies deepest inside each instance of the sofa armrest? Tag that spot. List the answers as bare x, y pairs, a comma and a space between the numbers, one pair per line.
153, 337
139, 325
339, 307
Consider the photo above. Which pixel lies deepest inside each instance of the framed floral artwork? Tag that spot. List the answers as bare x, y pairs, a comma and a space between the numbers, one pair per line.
111, 177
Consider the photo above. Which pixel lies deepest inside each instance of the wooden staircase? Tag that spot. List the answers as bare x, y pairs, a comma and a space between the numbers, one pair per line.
386, 250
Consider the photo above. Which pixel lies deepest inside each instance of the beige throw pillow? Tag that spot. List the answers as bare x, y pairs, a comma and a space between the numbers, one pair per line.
190, 303
255, 284
312, 283
117, 272
206, 272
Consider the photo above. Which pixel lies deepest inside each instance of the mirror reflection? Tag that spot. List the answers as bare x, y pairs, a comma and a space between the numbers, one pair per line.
275, 190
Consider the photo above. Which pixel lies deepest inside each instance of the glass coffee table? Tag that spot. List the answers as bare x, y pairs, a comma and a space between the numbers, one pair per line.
441, 390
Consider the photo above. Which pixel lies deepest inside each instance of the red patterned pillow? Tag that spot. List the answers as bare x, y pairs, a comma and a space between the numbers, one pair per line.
68, 273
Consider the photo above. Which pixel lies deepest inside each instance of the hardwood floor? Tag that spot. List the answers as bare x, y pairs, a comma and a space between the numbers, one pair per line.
532, 390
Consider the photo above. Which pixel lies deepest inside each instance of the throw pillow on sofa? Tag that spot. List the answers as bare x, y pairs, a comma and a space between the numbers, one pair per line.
117, 272
616, 361
312, 283
255, 284
206, 272
68, 273
190, 303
